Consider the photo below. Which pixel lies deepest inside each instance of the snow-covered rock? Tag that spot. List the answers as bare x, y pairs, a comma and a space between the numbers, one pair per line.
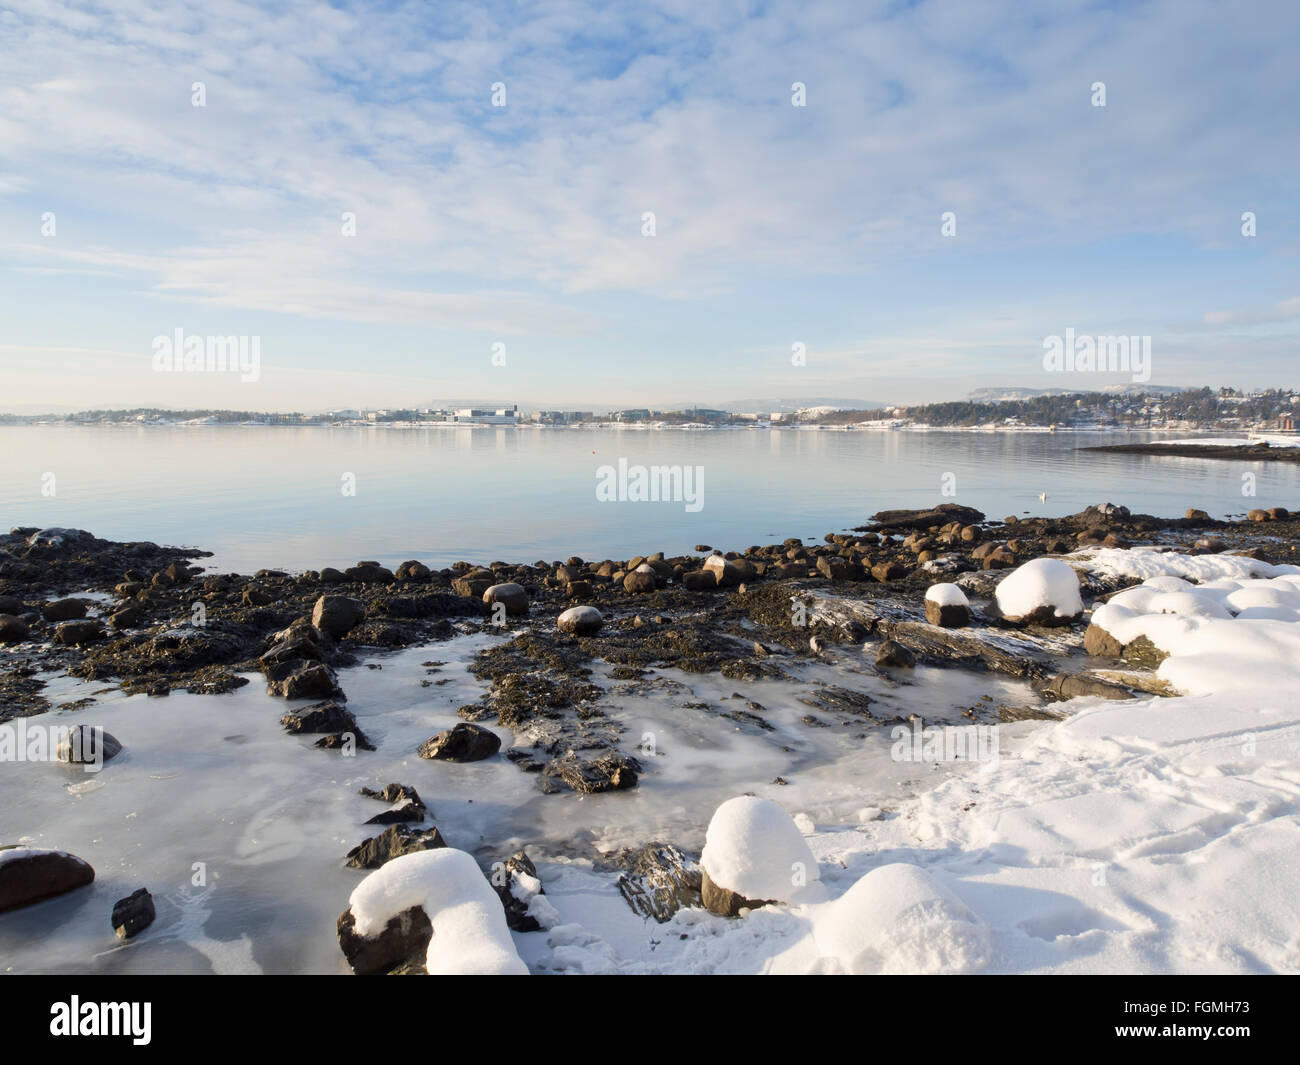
946, 605
470, 936
899, 919
1044, 591
753, 853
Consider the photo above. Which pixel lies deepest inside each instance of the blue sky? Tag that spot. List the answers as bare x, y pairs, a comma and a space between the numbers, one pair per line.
522, 224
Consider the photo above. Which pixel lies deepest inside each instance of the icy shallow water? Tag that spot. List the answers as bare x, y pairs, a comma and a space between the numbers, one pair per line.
211, 785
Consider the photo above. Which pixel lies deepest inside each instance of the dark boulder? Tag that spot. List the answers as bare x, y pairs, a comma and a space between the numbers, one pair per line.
337, 615
393, 843
133, 914
28, 876
464, 742
403, 943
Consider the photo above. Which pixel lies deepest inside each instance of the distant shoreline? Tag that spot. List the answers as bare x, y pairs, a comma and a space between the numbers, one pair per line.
1261, 452
881, 427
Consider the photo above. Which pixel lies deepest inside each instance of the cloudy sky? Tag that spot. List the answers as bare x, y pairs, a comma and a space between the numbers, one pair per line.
522, 225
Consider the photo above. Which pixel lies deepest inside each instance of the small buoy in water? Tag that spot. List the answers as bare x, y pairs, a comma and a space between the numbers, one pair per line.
1042, 497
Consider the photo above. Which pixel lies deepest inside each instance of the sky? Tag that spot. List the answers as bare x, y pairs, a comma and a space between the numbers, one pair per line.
503, 253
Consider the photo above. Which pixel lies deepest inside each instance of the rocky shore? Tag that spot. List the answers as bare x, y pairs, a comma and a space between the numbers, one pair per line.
1257, 452
149, 620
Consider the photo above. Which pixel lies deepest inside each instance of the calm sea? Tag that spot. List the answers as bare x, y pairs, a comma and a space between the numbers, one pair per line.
268, 496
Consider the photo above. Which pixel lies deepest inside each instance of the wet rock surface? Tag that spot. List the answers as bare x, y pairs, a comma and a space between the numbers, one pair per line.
133, 914
29, 876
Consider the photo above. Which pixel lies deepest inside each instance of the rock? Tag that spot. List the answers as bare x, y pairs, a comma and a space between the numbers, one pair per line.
129, 617
413, 571
516, 883
1100, 643
511, 596
581, 621
1197, 515
471, 587
725, 902
337, 615
63, 610
1278, 514
404, 942
1044, 591
578, 589
393, 843
303, 680
11, 605
1257, 515
330, 575
639, 581
700, 580
464, 742
835, 569
87, 745
369, 573
12, 629
1000, 557
946, 605
328, 716
133, 914
78, 633
923, 519
28, 875
659, 880
255, 596
1141, 652
408, 806
725, 575
609, 772
754, 854
888, 571
893, 655
1076, 685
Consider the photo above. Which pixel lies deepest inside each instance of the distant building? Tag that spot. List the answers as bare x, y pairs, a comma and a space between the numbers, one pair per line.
563, 417
488, 416
636, 414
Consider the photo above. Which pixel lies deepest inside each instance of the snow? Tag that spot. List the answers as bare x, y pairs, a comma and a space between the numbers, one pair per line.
1149, 835
470, 936
946, 595
10, 854
1238, 441
1210, 650
1145, 562
899, 919
754, 848
1042, 582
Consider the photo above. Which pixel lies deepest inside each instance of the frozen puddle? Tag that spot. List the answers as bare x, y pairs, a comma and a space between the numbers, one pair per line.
239, 830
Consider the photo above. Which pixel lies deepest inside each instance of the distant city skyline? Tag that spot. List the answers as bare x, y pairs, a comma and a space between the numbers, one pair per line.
893, 200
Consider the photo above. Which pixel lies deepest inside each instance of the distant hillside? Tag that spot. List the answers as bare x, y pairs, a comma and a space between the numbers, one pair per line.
1019, 395
767, 406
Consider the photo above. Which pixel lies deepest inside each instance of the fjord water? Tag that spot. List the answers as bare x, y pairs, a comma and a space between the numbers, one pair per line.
272, 496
